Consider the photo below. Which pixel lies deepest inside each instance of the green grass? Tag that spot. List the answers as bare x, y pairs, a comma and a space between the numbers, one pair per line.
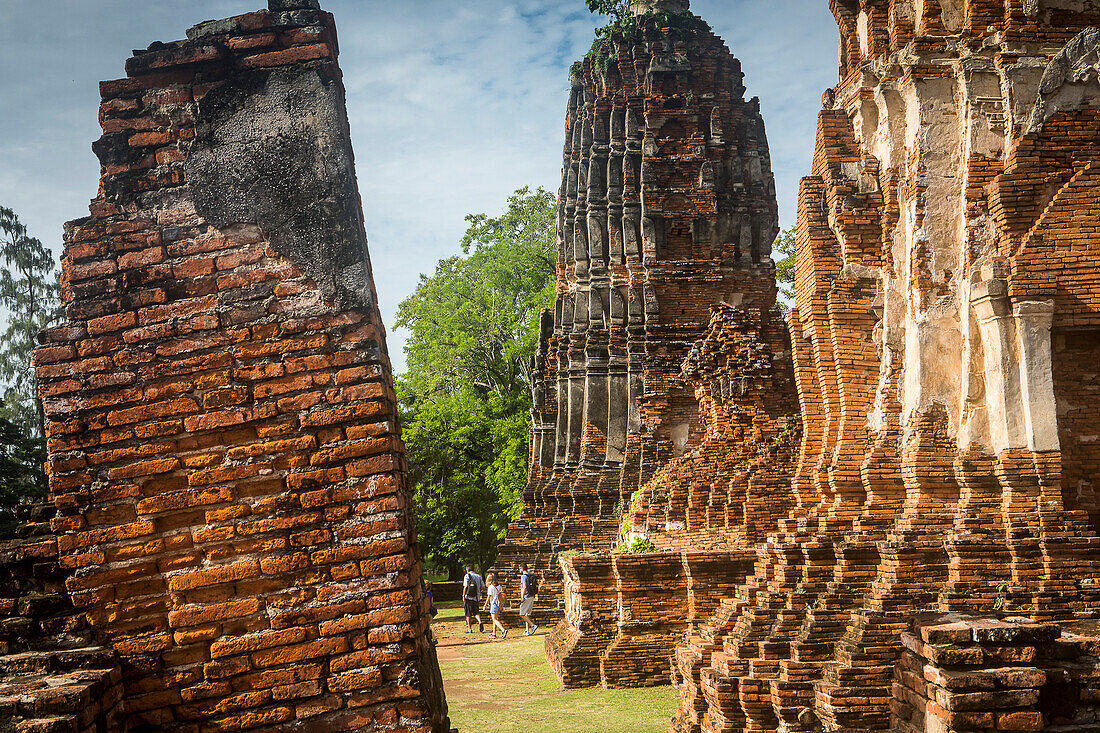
507, 687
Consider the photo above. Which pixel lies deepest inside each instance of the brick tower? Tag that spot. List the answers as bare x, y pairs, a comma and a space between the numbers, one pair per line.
667, 208
946, 343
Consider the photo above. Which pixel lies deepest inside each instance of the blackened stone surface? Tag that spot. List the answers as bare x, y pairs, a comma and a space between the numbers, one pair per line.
294, 4
273, 149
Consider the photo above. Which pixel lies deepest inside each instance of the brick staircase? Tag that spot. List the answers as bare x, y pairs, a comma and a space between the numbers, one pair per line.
54, 678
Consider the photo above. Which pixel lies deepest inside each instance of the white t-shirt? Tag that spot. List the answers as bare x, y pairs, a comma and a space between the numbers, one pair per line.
494, 593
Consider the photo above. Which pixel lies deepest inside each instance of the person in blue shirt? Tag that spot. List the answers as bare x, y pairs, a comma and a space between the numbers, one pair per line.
528, 594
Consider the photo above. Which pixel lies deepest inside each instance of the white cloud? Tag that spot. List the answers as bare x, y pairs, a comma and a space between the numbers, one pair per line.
451, 108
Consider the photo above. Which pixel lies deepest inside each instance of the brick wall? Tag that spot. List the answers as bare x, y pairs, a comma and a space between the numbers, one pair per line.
224, 452
625, 612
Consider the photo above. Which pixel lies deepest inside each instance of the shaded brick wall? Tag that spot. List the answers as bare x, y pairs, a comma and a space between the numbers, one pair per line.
224, 452
996, 675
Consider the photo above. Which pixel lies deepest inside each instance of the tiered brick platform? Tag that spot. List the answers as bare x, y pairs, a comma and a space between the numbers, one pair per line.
625, 613
946, 336
53, 676
225, 461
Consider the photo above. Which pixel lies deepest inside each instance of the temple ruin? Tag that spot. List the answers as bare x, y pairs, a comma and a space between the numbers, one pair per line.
875, 511
230, 544
913, 546
667, 207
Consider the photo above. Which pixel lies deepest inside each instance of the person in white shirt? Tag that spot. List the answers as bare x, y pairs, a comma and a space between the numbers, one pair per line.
496, 606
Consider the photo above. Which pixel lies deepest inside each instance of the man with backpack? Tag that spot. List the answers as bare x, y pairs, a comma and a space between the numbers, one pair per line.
528, 594
472, 586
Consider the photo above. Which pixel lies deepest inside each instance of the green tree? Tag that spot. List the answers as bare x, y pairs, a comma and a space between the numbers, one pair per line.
29, 300
21, 476
785, 245
465, 399
615, 9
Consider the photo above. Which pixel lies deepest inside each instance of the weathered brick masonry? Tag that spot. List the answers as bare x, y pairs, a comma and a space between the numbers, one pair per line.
946, 345
667, 207
705, 510
987, 675
224, 456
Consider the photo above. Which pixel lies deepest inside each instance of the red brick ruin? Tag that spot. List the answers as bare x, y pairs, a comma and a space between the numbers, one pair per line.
876, 511
232, 546
667, 207
912, 544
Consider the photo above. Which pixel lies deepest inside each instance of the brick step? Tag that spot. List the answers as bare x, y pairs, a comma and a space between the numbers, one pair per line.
68, 702
54, 661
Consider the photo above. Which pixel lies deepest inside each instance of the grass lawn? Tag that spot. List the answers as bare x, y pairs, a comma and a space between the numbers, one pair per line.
507, 687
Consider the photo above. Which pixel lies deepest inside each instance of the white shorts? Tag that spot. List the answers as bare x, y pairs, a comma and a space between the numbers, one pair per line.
526, 605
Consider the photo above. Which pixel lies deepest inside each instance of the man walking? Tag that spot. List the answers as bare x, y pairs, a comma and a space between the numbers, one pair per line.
472, 586
528, 594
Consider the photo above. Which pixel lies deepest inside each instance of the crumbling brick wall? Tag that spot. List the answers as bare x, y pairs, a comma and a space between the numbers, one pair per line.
53, 674
224, 452
625, 612
944, 343
965, 674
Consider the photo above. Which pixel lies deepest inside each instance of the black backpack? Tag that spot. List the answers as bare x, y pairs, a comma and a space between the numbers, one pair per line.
532, 585
471, 588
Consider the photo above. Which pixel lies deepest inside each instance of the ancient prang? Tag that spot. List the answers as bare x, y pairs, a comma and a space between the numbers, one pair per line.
230, 544
914, 547
667, 208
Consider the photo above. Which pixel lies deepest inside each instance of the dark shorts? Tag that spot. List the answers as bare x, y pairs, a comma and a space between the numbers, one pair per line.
470, 606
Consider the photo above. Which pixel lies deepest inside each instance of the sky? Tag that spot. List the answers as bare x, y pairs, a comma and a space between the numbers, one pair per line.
453, 105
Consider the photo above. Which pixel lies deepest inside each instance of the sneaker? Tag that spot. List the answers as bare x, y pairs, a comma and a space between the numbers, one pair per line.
504, 635
534, 628
492, 636
481, 628
469, 631
526, 633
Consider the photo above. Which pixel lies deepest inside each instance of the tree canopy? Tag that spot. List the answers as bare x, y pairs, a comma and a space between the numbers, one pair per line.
465, 399
28, 303
785, 245
29, 298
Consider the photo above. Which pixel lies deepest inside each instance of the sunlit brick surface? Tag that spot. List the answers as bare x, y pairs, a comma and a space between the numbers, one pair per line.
224, 454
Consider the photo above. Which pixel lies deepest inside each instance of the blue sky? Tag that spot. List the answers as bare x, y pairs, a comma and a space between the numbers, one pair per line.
453, 105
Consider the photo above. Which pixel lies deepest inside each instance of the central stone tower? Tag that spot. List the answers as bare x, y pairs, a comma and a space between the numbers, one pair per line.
667, 207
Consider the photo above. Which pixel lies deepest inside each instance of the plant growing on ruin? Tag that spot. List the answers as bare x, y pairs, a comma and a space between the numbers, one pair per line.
616, 9
636, 545
624, 25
